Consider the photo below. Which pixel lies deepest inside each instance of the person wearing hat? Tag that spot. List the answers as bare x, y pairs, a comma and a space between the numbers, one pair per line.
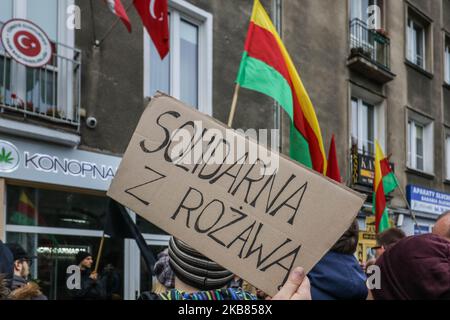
199, 278
163, 273
91, 287
21, 288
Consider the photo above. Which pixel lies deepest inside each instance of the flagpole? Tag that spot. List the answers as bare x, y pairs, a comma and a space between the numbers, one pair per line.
413, 216
99, 42
99, 254
233, 105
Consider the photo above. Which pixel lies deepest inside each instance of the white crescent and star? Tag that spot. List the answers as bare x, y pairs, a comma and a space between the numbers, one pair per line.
152, 11
20, 40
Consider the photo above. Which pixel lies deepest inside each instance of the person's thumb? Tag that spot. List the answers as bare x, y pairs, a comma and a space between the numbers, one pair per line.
291, 286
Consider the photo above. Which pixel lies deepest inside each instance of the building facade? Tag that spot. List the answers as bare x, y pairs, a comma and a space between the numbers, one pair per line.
374, 69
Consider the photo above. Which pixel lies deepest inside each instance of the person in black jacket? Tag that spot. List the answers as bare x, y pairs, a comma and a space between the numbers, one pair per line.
21, 288
91, 287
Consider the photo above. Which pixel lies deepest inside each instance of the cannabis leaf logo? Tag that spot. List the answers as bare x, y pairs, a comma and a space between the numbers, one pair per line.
6, 157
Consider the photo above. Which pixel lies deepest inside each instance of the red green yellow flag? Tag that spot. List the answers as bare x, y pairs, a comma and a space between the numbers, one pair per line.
26, 213
384, 183
267, 67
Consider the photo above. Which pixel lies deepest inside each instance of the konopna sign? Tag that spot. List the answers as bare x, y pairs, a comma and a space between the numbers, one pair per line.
73, 167
47, 163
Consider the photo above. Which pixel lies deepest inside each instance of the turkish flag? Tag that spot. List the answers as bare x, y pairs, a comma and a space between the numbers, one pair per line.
155, 17
117, 8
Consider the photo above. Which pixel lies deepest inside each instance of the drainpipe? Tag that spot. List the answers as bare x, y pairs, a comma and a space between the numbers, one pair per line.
276, 142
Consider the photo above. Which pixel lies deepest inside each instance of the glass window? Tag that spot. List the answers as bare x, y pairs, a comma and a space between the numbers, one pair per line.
56, 252
447, 152
45, 14
416, 145
189, 63
447, 62
5, 80
359, 9
42, 91
6, 10
419, 147
159, 71
364, 125
57, 209
179, 73
416, 43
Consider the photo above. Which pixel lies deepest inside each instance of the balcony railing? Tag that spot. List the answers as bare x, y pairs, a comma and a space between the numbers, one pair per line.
51, 93
369, 43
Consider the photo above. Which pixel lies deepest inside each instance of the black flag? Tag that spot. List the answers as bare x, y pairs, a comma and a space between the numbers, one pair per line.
119, 224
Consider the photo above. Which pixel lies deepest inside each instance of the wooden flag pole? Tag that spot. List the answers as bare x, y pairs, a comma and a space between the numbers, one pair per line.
233, 105
99, 254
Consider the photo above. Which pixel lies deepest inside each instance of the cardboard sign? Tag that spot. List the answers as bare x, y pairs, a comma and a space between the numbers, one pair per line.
255, 218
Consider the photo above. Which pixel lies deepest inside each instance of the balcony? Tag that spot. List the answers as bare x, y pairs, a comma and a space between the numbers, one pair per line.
49, 95
369, 53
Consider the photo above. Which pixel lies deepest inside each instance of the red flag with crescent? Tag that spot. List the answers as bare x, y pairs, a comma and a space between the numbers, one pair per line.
117, 8
155, 17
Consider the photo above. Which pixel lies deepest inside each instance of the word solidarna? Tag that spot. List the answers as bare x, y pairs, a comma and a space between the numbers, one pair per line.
47, 163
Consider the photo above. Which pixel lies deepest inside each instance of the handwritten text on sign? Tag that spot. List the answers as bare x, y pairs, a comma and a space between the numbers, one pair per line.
257, 219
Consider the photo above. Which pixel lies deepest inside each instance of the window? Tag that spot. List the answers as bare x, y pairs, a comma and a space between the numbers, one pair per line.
364, 125
447, 62
52, 208
447, 157
420, 145
181, 74
361, 10
416, 43
50, 91
54, 225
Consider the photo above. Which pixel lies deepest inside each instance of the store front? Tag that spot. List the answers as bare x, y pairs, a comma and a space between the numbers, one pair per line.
55, 205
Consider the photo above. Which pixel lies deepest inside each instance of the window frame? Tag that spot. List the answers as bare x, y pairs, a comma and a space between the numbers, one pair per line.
181, 9
427, 125
447, 60
360, 102
412, 54
447, 155
379, 3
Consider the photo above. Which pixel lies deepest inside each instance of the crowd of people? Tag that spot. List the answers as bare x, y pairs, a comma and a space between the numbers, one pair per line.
409, 268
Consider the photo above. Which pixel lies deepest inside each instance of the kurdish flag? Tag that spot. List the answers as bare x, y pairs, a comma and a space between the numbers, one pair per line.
266, 67
384, 183
26, 213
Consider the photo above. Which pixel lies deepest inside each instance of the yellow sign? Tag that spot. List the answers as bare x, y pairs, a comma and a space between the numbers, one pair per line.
366, 240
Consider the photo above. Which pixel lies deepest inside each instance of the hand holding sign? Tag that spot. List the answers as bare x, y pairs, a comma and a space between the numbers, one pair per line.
297, 287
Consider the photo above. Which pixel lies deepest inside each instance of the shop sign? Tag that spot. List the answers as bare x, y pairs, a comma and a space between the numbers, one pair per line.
427, 200
421, 229
46, 163
364, 169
